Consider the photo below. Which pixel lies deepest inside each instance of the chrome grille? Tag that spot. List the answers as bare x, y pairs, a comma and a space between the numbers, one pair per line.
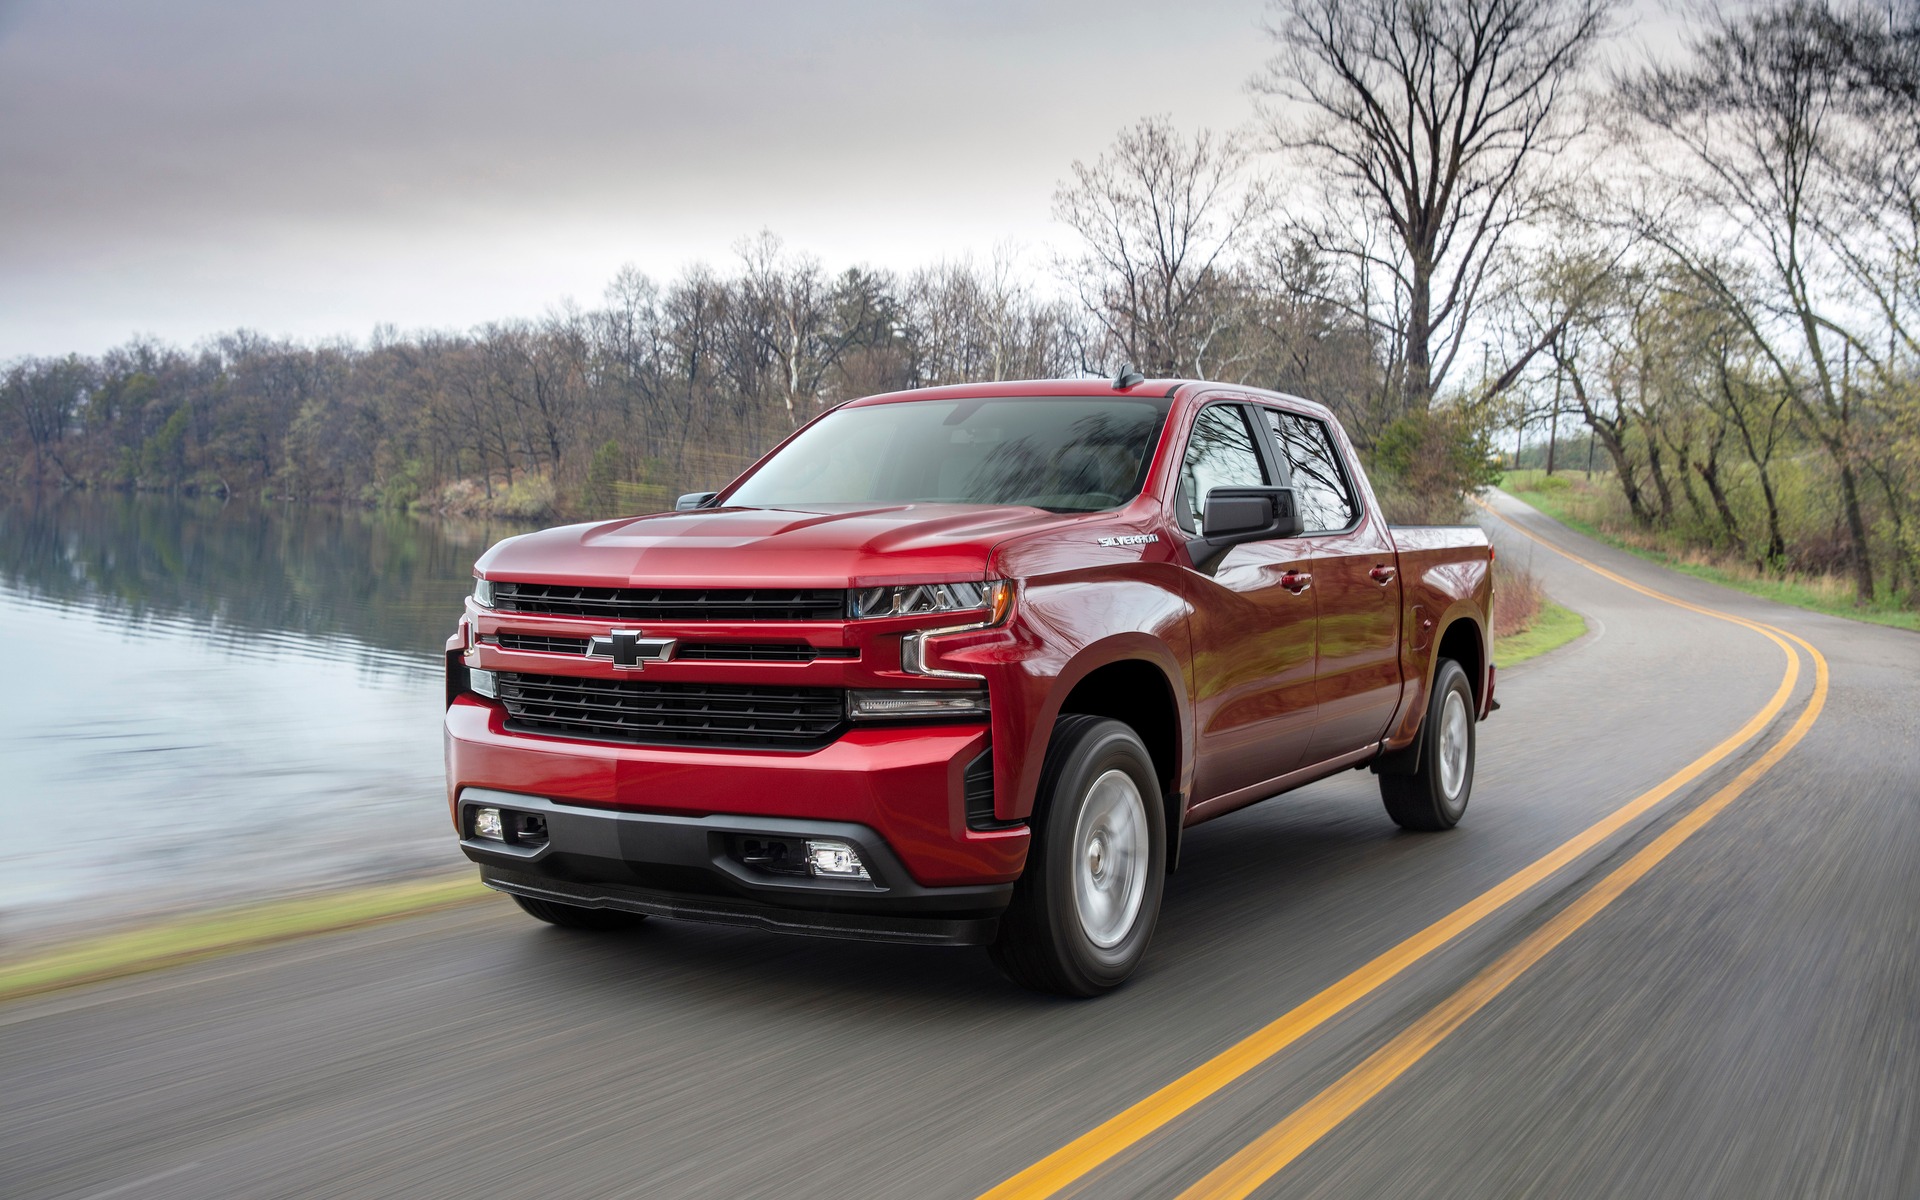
759, 652
672, 604
543, 643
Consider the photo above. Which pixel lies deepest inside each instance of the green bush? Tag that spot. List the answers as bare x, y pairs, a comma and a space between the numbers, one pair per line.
528, 496
1425, 464
1532, 479
400, 490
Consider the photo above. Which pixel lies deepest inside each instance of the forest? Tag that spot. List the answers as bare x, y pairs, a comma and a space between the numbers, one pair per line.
1470, 226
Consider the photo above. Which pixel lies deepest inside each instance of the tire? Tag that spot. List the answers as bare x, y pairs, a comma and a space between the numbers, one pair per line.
1084, 910
1434, 796
573, 916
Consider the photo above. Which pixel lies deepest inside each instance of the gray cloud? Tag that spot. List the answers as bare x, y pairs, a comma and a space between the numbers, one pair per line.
186, 166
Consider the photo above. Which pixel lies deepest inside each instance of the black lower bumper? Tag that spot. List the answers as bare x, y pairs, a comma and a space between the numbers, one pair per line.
698, 868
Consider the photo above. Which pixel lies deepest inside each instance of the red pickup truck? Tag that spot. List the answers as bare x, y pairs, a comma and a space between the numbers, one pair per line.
958, 666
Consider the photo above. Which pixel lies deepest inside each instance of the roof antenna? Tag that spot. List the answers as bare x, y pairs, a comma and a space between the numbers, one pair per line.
1127, 378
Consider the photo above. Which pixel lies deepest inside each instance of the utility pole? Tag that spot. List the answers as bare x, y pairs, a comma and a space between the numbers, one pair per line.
1553, 428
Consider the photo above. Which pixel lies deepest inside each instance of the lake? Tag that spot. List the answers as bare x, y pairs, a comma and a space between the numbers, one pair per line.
213, 702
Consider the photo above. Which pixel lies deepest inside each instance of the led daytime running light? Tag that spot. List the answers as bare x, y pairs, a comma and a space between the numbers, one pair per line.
916, 599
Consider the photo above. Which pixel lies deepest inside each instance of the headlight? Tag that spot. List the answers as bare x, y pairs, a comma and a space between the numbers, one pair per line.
483, 592
882, 704
989, 600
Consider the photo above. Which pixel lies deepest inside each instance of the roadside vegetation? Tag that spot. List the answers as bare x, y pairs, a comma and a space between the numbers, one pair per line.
1597, 509
1732, 323
1526, 621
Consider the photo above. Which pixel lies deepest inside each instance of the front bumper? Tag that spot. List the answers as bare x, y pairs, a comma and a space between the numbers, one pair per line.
698, 868
904, 785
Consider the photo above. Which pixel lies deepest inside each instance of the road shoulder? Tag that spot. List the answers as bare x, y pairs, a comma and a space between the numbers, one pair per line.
193, 936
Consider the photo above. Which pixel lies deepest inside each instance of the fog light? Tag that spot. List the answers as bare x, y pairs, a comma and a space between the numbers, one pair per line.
486, 824
484, 683
835, 860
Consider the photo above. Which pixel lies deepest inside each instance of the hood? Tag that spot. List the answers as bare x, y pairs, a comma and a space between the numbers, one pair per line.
825, 547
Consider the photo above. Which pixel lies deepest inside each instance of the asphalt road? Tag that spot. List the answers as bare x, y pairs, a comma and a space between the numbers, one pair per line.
1743, 1021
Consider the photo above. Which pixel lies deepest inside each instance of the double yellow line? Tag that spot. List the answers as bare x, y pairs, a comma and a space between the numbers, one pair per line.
1267, 1154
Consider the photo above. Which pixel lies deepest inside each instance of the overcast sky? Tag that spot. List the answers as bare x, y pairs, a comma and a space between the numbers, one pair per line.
313, 169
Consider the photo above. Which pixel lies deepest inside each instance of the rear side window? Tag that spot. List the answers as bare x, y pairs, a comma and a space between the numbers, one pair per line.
1220, 453
1320, 486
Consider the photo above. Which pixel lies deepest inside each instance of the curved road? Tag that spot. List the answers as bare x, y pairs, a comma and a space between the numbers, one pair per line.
1717, 993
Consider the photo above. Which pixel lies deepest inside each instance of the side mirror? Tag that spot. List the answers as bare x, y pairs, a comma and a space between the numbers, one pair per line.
1243, 514
693, 500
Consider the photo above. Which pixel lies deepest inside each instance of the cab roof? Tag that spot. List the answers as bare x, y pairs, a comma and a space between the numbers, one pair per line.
1146, 389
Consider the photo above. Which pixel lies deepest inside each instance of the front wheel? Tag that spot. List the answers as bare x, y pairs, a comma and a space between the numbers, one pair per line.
1085, 908
1434, 797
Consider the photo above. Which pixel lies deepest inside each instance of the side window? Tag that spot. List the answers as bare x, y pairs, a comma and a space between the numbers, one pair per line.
1319, 484
1220, 453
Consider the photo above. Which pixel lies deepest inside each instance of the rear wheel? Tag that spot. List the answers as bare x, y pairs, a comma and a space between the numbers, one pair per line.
1084, 911
1434, 796
573, 916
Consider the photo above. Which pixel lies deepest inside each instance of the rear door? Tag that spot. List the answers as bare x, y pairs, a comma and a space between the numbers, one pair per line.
1253, 633
1356, 574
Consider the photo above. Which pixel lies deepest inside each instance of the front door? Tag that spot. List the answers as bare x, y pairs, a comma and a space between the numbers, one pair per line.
1357, 677
1253, 637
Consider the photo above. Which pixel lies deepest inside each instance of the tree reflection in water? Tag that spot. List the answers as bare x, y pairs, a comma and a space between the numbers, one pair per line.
211, 702
390, 582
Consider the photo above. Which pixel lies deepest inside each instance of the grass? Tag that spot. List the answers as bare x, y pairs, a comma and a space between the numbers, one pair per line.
128, 952
1575, 504
1552, 628
1526, 622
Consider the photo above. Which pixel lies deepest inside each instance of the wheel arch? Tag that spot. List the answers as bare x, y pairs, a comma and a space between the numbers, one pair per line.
1463, 638
1136, 680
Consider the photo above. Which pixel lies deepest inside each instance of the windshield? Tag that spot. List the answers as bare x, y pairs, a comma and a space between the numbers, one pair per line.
1066, 454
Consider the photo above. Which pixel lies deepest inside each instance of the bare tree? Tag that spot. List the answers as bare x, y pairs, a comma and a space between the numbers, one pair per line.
1748, 134
1755, 406
41, 396
1159, 216
1424, 124
1873, 226
966, 322
794, 320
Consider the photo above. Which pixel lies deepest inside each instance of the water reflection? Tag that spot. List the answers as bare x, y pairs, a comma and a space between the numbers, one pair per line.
215, 701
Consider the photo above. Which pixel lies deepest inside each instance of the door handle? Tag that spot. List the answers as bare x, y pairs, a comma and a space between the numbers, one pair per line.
1381, 574
1296, 581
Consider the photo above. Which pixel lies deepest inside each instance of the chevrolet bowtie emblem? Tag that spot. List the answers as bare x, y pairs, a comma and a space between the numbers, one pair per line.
631, 649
